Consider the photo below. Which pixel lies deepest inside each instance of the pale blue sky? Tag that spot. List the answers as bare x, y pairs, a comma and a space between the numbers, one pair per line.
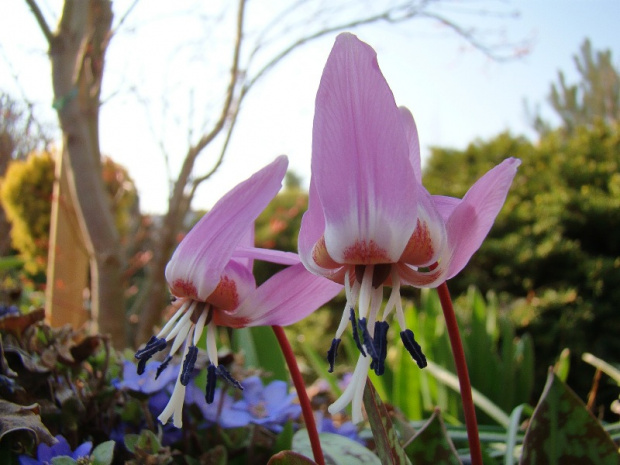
455, 93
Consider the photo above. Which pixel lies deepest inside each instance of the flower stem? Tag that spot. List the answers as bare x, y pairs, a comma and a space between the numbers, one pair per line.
462, 373
298, 381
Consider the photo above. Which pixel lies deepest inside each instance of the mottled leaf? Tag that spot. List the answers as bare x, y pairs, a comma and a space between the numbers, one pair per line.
288, 457
386, 438
563, 431
337, 449
15, 417
431, 444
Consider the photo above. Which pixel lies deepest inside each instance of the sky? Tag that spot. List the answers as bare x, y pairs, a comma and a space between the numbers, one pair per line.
161, 78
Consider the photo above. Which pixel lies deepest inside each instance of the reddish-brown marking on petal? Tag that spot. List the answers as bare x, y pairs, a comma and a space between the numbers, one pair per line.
223, 318
417, 278
419, 250
321, 256
182, 288
365, 253
225, 295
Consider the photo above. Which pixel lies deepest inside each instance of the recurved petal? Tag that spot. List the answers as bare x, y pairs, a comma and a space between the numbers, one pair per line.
202, 255
283, 299
414, 143
360, 158
445, 205
473, 217
266, 255
311, 240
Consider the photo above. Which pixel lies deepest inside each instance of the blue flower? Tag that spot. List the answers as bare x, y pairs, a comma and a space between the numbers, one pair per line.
270, 406
46, 453
148, 383
10, 310
346, 429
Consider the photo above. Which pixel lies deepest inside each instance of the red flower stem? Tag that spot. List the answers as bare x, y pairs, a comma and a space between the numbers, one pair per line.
462, 373
298, 381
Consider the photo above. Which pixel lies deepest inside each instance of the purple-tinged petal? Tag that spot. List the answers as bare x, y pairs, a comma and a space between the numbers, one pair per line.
284, 299
413, 141
445, 205
83, 450
46, 453
27, 460
246, 241
195, 267
473, 217
311, 242
360, 159
266, 255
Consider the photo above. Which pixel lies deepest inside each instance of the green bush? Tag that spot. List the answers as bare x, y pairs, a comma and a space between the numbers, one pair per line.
556, 243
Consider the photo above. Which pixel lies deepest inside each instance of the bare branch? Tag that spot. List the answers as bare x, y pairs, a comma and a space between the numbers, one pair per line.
194, 151
468, 35
196, 183
124, 16
234, 79
36, 11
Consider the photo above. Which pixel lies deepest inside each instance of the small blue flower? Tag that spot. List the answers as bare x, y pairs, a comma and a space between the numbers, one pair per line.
270, 406
46, 453
8, 310
346, 429
148, 383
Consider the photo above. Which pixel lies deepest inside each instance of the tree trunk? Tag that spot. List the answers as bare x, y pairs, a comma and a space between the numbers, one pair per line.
77, 52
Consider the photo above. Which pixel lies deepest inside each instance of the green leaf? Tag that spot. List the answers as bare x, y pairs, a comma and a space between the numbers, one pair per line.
431, 444
10, 262
386, 439
284, 441
602, 365
131, 441
562, 365
261, 350
337, 450
512, 432
146, 441
103, 453
563, 431
288, 457
482, 402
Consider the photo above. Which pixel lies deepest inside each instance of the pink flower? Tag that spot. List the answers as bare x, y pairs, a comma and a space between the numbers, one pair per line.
370, 223
210, 274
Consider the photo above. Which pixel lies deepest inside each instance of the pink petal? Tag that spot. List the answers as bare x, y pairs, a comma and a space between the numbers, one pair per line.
202, 255
417, 278
414, 144
285, 298
360, 158
311, 232
473, 217
266, 255
445, 205
429, 239
246, 241
236, 284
